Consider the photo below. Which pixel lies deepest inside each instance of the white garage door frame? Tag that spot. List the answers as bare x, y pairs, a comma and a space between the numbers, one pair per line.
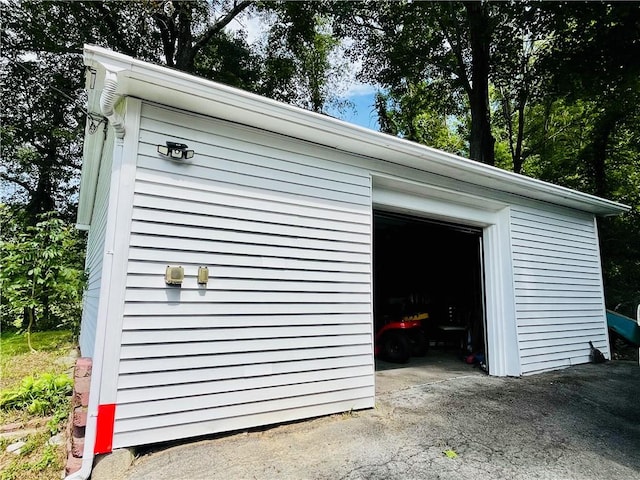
431, 202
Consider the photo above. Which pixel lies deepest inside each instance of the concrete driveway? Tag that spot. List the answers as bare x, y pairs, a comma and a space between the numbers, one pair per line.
579, 423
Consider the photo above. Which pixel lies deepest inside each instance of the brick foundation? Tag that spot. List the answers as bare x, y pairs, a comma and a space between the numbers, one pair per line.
78, 418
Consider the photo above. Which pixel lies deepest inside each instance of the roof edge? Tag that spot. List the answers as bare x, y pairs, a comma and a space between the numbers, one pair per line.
232, 104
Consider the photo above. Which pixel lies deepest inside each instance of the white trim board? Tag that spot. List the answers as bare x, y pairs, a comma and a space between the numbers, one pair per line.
502, 342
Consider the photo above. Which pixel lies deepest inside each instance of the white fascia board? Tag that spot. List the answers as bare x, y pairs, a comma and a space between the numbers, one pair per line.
180, 90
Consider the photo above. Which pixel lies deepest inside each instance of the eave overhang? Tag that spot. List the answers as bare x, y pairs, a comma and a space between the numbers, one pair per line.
186, 92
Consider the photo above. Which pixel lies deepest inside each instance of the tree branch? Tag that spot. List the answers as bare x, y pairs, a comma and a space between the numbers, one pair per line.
18, 182
220, 24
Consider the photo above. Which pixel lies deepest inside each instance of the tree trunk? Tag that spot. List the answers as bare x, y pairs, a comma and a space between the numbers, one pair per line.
517, 157
601, 135
481, 143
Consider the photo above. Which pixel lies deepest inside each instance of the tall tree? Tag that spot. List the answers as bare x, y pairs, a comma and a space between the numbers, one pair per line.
586, 132
434, 43
187, 27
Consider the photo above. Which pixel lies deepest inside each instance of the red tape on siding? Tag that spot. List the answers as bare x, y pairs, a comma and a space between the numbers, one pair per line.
104, 428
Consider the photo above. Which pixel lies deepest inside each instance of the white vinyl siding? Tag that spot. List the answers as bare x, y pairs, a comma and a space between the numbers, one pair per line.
283, 329
558, 288
95, 250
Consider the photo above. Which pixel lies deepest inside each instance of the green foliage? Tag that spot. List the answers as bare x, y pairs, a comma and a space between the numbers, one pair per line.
301, 62
42, 277
414, 114
39, 395
43, 458
14, 343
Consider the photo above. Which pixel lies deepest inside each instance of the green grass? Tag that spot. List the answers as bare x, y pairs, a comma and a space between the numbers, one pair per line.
17, 362
16, 343
38, 461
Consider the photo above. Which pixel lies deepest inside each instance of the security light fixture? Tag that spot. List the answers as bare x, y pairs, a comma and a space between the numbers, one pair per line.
176, 151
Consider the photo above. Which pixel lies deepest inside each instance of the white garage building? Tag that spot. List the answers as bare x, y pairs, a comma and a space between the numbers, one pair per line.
281, 205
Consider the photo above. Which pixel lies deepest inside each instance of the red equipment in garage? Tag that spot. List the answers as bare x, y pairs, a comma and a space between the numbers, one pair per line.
398, 340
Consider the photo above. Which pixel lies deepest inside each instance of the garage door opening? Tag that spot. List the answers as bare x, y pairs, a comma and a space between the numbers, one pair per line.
428, 291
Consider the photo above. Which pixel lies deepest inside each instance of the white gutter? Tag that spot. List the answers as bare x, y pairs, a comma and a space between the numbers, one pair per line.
108, 99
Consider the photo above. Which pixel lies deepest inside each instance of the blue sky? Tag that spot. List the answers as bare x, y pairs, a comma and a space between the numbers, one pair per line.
363, 113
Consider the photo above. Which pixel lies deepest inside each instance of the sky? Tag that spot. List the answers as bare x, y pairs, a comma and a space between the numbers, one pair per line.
363, 113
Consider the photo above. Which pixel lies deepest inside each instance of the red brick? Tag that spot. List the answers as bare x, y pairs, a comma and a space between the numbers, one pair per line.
80, 399
82, 384
73, 465
83, 367
79, 416
77, 447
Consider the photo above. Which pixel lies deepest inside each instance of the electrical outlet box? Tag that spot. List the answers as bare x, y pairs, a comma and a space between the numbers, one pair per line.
174, 275
203, 275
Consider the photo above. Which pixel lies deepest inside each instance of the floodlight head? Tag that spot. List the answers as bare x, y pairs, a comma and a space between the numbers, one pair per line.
176, 151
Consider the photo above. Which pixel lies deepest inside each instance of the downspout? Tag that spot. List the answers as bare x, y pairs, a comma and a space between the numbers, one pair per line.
108, 99
107, 103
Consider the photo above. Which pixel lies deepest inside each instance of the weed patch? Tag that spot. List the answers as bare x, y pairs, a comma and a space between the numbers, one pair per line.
35, 394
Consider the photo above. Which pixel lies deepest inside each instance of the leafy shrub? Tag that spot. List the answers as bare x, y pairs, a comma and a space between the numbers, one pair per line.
43, 275
42, 395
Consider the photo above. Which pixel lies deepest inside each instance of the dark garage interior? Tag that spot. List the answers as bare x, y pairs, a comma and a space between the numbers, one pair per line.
427, 267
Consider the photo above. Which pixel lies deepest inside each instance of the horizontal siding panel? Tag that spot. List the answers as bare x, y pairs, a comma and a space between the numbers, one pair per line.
159, 204
568, 291
221, 347
558, 288
554, 252
152, 322
205, 404
572, 277
253, 273
238, 137
535, 281
131, 337
236, 386
549, 242
242, 309
255, 224
573, 356
204, 258
577, 316
173, 294
558, 238
565, 232
150, 182
218, 283
572, 341
232, 236
175, 243
523, 259
546, 366
188, 362
142, 436
95, 251
537, 332
567, 269
558, 300
269, 374
255, 180
576, 308
284, 322
259, 165
249, 408
550, 222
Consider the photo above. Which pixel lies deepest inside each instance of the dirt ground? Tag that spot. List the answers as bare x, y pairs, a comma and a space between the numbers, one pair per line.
438, 418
